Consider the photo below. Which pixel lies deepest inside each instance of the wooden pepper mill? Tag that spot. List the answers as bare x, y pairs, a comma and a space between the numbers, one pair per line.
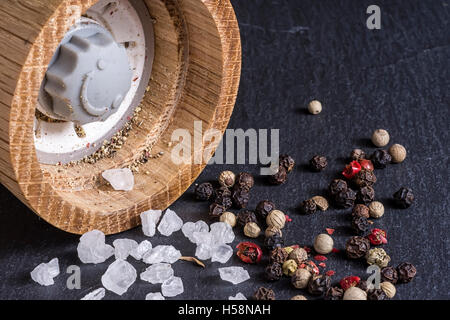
184, 60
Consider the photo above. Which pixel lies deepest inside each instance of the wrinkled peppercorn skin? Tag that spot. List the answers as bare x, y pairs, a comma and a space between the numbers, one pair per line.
264, 294
222, 192
245, 217
318, 163
365, 178
404, 198
273, 242
274, 272
264, 208
406, 272
380, 159
216, 210
204, 191
334, 293
287, 162
357, 247
278, 178
363, 285
376, 294
361, 210
365, 195
240, 198
245, 180
360, 225
319, 284
308, 207
345, 199
278, 255
224, 201
337, 186
389, 274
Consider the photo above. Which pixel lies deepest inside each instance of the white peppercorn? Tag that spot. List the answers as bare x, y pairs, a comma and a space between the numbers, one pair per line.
323, 244
355, 293
227, 179
252, 230
299, 297
299, 255
376, 209
276, 218
398, 153
270, 231
228, 217
315, 107
301, 278
388, 289
380, 138
321, 203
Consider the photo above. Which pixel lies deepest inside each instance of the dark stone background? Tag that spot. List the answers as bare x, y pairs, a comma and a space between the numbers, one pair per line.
395, 78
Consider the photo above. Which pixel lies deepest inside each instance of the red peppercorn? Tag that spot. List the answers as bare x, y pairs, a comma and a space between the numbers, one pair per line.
377, 237
366, 164
310, 266
351, 169
351, 281
249, 252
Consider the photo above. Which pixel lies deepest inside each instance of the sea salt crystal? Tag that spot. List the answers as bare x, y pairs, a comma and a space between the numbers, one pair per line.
222, 253
235, 275
92, 247
119, 276
222, 233
203, 237
172, 287
238, 296
157, 273
154, 296
123, 247
143, 247
203, 251
149, 220
97, 294
45, 272
120, 179
170, 223
189, 228
158, 254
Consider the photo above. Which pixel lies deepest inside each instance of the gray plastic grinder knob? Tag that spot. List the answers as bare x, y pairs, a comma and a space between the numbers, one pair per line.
89, 78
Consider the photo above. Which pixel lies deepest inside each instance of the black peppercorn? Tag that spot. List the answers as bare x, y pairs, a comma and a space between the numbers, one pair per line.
357, 154
308, 207
404, 197
245, 180
380, 158
360, 225
278, 255
389, 274
319, 284
204, 191
274, 272
345, 199
334, 293
263, 209
406, 272
287, 162
376, 294
240, 197
337, 186
216, 210
264, 294
365, 178
224, 201
274, 241
360, 210
363, 285
365, 195
245, 217
222, 192
280, 177
357, 247
318, 163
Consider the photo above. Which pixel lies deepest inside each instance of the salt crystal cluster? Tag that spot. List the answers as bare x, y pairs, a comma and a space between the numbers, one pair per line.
120, 179
97, 294
157, 273
119, 276
235, 275
211, 244
159, 254
170, 223
149, 220
172, 287
92, 248
45, 272
143, 247
238, 296
154, 296
123, 248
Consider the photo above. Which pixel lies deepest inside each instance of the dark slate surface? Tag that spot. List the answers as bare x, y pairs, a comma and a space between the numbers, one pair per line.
395, 78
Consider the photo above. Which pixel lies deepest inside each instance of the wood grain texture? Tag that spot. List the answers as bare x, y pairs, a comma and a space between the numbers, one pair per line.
195, 77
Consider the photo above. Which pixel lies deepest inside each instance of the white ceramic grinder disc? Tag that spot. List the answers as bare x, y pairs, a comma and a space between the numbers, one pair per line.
130, 25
